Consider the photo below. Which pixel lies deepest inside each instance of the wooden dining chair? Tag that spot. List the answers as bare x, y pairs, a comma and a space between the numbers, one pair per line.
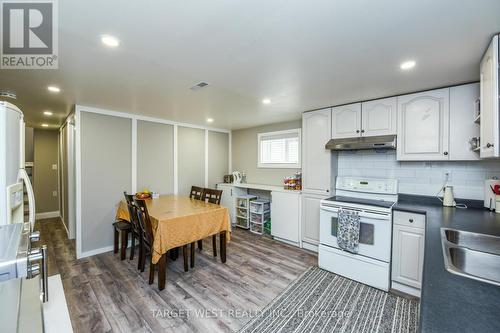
196, 193
212, 196
147, 237
136, 229
147, 232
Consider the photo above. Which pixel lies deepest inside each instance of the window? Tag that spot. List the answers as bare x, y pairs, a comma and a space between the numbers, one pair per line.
279, 149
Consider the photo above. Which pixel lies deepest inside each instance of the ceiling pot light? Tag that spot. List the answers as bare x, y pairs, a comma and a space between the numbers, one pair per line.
45, 125
266, 101
407, 65
47, 113
210, 120
54, 89
110, 41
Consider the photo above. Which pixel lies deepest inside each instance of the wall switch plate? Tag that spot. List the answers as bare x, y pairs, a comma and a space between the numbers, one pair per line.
54, 166
54, 193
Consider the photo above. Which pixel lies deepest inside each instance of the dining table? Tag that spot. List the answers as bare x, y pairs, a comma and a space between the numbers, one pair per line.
179, 220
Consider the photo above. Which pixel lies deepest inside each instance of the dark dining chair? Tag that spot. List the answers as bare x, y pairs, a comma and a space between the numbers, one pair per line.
196, 193
136, 231
147, 239
213, 196
121, 229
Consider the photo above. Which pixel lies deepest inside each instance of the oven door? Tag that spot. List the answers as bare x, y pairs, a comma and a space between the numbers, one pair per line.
374, 234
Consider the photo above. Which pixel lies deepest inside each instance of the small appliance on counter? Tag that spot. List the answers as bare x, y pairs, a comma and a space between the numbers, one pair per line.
448, 197
489, 193
228, 179
237, 177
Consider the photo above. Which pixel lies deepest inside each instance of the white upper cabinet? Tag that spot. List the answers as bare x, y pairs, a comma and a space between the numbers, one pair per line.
489, 102
316, 160
423, 126
346, 121
379, 117
463, 104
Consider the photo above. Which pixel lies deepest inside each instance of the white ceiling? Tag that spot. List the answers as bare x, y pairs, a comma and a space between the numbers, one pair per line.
301, 54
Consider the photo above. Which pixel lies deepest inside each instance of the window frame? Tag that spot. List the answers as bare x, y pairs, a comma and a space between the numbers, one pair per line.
297, 165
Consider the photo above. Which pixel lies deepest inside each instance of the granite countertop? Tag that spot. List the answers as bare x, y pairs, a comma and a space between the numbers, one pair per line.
453, 303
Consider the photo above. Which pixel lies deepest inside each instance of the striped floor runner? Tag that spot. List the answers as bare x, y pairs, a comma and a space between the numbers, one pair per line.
320, 301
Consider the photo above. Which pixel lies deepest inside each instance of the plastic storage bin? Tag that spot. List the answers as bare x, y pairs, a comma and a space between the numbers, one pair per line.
242, 222
260, 206
256, 228
260, 218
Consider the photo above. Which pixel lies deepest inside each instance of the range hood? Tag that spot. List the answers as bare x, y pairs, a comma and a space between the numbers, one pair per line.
370, 142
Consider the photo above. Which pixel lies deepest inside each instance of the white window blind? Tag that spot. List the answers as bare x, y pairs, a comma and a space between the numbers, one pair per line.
279, 149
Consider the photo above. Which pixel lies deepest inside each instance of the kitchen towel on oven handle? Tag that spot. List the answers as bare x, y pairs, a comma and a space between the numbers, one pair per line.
348, 230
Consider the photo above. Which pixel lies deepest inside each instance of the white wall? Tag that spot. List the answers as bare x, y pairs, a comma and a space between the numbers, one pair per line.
421, 178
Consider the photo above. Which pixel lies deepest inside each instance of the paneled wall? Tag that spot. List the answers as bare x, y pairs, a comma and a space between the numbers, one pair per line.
124, 152
155, 157
191, 158
106, 167
421, 178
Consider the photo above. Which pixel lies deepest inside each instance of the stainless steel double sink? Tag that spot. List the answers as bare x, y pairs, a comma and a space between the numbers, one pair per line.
472, 255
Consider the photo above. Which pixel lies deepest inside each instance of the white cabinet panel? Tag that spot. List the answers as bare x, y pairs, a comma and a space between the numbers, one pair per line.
408, 255
285, 216
228, 199
463, 101
316, 160
489, 102
310, 217
346, 121
379, 117
423, 126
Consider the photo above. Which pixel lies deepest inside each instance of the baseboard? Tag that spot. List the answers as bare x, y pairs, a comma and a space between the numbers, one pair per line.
399, 287
47, 215
286, 241
310, 247
99, 251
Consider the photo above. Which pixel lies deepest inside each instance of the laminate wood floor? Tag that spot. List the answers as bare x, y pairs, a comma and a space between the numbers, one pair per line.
105, 294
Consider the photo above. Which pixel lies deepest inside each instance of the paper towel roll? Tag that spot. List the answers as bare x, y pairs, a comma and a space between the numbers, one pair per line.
489, 196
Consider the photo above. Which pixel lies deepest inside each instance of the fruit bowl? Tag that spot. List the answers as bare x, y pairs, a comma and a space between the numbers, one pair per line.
143, 195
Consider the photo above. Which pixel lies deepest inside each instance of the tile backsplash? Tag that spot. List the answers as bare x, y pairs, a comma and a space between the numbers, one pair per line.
423, 178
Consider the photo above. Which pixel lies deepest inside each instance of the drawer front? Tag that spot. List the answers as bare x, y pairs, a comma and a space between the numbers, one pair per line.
407, 219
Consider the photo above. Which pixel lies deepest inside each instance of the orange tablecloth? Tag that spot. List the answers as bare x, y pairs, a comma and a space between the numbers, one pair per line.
178, 221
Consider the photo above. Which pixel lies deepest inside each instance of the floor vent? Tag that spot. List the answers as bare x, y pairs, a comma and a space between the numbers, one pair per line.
7, 94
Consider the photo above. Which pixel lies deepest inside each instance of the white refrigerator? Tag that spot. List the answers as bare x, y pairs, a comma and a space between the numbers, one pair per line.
13, 176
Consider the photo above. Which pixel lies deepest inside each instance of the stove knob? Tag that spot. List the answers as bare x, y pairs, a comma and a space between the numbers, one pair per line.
35, 236
33, 270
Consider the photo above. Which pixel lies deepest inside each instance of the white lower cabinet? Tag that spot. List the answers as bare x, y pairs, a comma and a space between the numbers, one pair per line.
285, 216
408, 252
310, 220
228, 199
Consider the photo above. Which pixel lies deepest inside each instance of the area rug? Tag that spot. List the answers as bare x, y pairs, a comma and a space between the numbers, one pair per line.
320, 301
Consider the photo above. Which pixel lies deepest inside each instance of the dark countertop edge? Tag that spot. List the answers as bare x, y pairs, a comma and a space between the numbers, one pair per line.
425, 200
409, 210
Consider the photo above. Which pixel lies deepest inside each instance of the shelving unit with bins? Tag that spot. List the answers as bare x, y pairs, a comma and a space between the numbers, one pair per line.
243, 210
260, 216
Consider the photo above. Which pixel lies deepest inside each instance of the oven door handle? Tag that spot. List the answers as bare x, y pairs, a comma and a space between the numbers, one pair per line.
375, 216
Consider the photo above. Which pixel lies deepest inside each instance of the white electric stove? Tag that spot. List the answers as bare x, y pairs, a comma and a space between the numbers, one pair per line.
373, 199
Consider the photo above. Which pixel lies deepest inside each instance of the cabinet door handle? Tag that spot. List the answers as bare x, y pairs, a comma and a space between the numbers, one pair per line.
357, 131
489, 145
362, 131
445, 153
410, 220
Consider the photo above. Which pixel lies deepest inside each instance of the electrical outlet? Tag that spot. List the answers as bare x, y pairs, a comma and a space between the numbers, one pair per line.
447, 176
54, 193
54, 166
